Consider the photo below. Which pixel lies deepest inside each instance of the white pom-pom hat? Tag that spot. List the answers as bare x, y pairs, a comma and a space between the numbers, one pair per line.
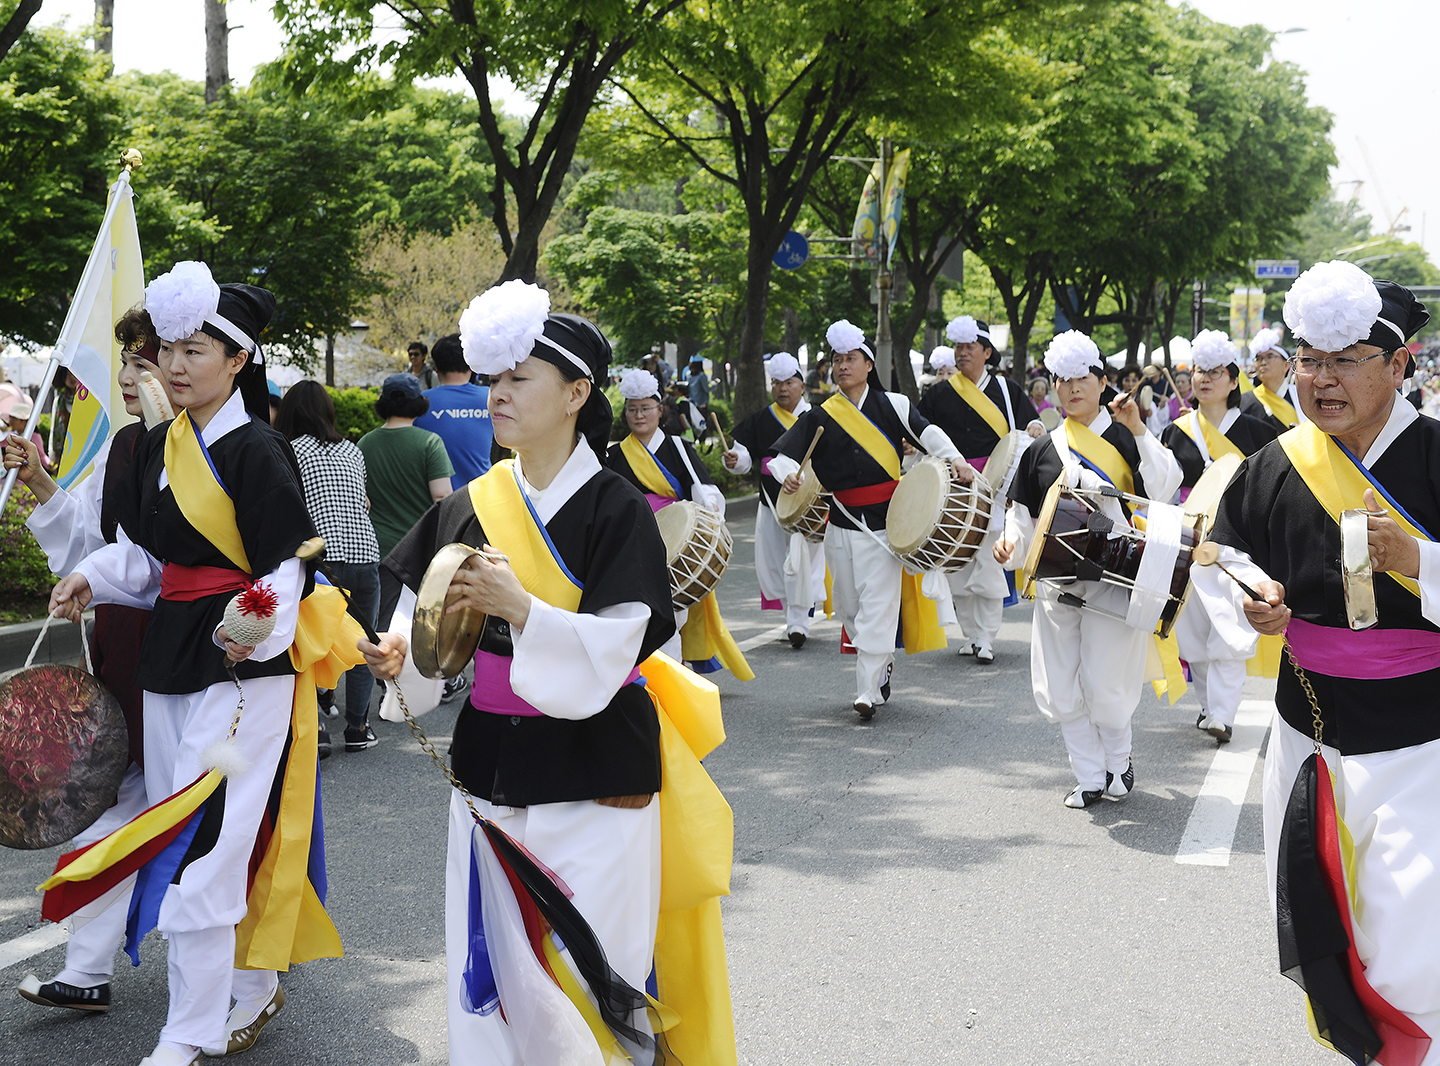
1267, 340
1332, 306
638, 384
845, 336
942, 355
180, 300
965, 330
502, 326
782, 367
1073, 355
1212, 349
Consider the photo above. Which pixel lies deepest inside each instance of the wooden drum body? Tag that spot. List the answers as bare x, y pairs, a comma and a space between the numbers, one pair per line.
805, 511
697, 550
936, 522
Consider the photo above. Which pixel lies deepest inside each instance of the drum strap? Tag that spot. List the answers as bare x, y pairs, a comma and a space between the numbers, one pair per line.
1338, 481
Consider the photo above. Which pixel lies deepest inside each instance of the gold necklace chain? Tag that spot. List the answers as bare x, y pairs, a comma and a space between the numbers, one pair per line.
1318, 723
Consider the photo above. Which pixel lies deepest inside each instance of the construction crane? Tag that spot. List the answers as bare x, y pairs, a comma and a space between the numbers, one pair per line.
1395, 226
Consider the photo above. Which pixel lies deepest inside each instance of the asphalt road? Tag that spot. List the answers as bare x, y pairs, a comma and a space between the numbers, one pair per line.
905, 891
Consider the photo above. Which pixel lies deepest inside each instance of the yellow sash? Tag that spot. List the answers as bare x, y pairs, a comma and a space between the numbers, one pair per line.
982, 405
1337, 482
696, 824
784, 417
1088, 444
1163, 669
647, 468
864, 433
920, 627
705, 636
1216, 443
1246, 385
198, 492
1278, 406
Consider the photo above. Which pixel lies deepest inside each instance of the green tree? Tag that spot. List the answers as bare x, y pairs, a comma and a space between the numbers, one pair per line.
59, 128
560, 55
17, 18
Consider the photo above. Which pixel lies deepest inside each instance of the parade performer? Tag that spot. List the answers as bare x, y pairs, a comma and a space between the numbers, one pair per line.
561, 745
858, 460
1274, 399
1216, 645
977, 410
1350, 823
791, 570
667, 469
69, 526
216, 494
1087, 668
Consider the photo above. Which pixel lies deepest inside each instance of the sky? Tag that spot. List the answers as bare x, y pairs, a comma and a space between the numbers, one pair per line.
1366, 63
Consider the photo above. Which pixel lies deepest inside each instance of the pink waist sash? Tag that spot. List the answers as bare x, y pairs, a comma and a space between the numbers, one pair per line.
979, 463
765, 466
1367, 655
657, 501
492, 692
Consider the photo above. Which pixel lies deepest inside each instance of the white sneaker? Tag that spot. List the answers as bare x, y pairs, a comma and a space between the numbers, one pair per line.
1083, 797
984, 653
969, 649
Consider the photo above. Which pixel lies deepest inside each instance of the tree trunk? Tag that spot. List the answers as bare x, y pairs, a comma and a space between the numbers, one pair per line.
749, 384
105, 26
15, 25
792, 332
922, 289
330, 359
217, 50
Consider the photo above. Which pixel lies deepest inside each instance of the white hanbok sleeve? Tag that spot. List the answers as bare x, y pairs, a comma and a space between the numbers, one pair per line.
1223, 599
1429, 579
938, 443
782, 466
67, 526
287, 581
570, 665
708, 496
123, 573
743, 462
1158, 468
1019, 531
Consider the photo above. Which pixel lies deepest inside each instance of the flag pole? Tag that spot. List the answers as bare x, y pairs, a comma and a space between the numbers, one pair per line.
130, 161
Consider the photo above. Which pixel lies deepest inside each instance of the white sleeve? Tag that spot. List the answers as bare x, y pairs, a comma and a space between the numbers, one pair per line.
743, 462
67, 526
1430, 580
122, 573
782, 466
1019, 531
1224, 601
570, 665
287, 581
1158, 468
708, 496
938, 443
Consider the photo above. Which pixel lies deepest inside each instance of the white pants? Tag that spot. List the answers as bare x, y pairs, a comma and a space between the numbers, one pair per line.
865, 586
98, 928
1086, 670
199, 913
1387, 800
979, 593
789, 568
1216, 669
610, 859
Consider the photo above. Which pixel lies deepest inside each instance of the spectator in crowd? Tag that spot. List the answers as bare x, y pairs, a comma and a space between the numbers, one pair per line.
421, 369
459, 413
699, 383
20, 412
406, 470
660, 368
817, 382
1040, 394
274, 401
674, 419
332, 471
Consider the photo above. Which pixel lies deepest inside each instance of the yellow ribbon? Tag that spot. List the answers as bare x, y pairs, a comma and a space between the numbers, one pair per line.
1337, 483
1278, 406
1163, 669
864, 433
1216, 443
647, 468
1084, 441
983, 406
198, 492
705, 636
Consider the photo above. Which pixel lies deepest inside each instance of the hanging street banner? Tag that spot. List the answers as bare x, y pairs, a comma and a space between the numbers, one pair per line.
895, 199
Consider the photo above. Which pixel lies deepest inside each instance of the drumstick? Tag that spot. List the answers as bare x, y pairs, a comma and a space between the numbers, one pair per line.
1166, 371
1121, 401
1208, 554
715, 421
810, 450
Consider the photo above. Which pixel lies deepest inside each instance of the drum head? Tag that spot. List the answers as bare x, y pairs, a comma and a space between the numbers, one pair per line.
443, 644
1051, 418
677, 527
1206, 495
916, 507
1042, 530
791, 505
998, 465
63, 751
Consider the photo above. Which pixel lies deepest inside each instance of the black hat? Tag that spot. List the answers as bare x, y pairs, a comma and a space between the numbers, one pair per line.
578, 337
400, 387
1400, 313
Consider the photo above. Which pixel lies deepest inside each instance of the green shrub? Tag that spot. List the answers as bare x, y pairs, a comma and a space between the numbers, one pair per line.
355, 411
24, 571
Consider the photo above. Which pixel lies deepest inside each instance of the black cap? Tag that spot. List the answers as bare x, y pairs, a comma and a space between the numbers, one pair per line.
1398, 309
400, 387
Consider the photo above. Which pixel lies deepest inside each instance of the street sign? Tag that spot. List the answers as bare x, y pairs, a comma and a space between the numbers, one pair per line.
1277, 268
794, 250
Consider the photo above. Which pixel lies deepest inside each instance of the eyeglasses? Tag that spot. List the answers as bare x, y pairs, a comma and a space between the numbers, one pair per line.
1339, 365
641, 412
1212, 375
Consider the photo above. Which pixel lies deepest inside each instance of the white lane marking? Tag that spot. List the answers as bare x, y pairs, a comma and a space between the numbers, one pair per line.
771, 636
34, 942
1210, 833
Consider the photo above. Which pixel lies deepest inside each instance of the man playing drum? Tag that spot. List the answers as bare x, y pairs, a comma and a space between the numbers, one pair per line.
976, 411
858, 458
1274, 399
1216, 645
1086, 668
1355, 703
790, 569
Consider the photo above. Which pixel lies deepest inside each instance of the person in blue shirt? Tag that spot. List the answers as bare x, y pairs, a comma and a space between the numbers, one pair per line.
459, 413
699, 383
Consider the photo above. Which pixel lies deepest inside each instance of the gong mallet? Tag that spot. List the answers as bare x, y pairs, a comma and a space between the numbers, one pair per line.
1208, 554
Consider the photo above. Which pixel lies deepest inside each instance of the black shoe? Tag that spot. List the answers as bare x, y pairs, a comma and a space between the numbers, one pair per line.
797, 640
324, 743
885, 688
454, 687
91, 1000
1119, 788
864, 710
360, 739
325, 697
1081, 798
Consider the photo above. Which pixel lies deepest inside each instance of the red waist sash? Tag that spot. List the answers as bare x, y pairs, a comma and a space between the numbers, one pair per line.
187, 583
867, 495
492, 692
1368, 654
